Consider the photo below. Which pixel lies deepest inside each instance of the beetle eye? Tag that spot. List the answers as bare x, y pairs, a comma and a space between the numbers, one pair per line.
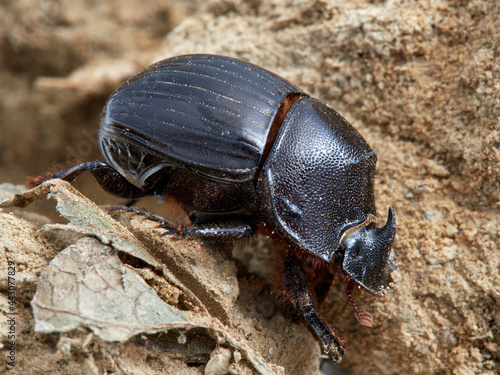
290, 210
355, 249
351, 246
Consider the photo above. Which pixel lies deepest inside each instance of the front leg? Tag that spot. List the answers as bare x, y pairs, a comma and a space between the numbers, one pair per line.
300, 294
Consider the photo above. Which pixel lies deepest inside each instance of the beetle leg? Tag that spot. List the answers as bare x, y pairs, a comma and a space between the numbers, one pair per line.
107, 177
223, 231
304, 301
173, 229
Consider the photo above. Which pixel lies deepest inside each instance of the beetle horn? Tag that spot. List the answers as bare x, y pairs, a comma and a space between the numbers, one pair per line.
388, 231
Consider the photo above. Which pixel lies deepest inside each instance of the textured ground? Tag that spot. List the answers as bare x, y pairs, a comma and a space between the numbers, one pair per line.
420, 80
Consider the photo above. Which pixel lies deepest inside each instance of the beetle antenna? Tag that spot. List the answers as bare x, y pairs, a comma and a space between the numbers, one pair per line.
364, 318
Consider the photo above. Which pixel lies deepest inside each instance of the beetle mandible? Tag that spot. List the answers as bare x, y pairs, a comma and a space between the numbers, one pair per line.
243, 151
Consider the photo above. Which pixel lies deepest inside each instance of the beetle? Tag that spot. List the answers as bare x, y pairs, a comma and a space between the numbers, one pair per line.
242, 150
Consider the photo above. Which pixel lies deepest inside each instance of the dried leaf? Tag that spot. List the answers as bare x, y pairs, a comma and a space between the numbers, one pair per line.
87, 285
85, 217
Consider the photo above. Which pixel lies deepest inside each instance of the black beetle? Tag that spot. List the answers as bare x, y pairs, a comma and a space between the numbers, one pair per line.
243, 150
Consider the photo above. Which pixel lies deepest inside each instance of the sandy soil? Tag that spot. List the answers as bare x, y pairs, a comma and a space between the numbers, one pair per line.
419, 80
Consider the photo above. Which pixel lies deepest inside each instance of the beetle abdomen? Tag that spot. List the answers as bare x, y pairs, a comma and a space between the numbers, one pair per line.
208, 113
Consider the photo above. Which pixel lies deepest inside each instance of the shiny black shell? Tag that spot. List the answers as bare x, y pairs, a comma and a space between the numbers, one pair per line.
211, 114
198, 128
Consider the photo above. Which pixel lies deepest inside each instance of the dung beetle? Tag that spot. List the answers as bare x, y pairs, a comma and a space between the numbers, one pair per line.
242, 150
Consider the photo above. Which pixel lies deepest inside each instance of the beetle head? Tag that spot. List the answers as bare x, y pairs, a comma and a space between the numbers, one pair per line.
368, 258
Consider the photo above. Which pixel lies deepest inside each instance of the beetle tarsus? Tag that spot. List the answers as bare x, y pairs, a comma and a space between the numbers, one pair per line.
332, 339
172, 229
